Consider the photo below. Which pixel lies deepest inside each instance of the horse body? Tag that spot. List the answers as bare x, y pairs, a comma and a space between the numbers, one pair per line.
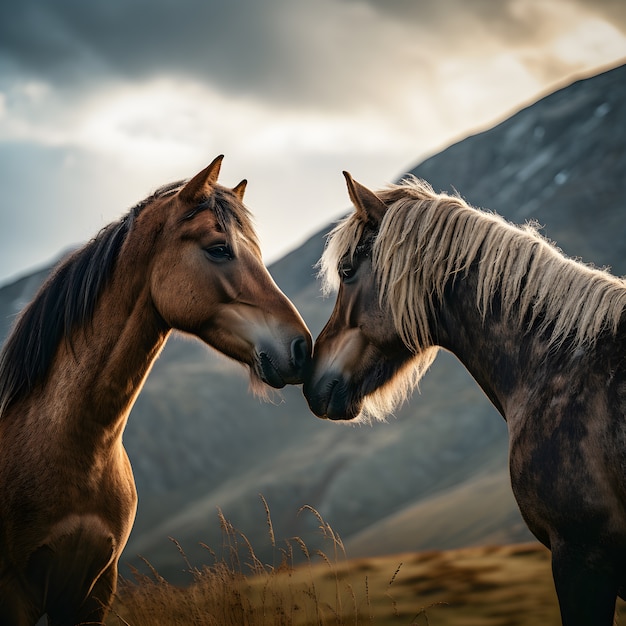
567, 462
72, 424
543, 336
186, 259
567, 439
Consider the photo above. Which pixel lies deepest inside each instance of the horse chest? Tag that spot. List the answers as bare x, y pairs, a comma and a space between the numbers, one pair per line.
54, 478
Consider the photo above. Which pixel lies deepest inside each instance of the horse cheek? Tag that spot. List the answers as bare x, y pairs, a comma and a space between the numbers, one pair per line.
173, 295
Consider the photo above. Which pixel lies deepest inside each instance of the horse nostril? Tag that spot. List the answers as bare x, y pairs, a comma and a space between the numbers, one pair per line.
299, 352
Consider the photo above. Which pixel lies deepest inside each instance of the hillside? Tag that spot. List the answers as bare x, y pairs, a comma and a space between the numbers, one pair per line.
486, 586
435, 475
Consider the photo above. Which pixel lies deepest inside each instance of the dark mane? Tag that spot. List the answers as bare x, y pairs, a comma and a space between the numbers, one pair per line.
65, 301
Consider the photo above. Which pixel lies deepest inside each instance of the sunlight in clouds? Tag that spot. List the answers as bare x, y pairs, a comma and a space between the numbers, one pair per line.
592, 41
473, 91
166, 121
295, 95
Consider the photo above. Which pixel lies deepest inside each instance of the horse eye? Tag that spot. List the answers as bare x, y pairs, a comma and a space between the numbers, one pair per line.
220, 252
347, 271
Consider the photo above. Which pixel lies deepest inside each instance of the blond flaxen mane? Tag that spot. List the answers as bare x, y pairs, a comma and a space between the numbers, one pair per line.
426, 239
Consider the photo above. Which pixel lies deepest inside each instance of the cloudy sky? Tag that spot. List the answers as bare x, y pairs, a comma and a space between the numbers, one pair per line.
102, 102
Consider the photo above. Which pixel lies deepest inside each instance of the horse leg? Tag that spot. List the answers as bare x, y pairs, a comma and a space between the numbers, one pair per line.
587, 595
95, 608
17, 614
97, 605
16, 608
75, 573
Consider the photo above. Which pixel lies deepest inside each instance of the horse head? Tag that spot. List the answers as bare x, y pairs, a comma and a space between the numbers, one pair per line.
359, 351
208, 279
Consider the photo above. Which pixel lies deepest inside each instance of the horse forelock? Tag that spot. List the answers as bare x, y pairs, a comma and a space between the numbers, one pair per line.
426, 239
232, 216
342, 240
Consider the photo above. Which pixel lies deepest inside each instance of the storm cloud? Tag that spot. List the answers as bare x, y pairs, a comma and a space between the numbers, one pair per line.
134, 94
293, 51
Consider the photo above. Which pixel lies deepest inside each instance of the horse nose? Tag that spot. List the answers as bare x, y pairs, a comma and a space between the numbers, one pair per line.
299, 353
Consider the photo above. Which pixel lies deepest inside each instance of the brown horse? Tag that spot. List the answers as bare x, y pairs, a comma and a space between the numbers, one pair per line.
543, 335
185, 258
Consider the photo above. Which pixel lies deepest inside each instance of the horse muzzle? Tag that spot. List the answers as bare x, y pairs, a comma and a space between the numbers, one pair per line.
329, 397
279, 368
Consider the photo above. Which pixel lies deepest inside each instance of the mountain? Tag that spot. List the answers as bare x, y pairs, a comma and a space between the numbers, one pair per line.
435, 475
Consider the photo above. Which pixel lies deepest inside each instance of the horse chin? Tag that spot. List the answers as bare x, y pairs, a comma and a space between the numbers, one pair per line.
331, 399
269, 372
261, 390
350, 413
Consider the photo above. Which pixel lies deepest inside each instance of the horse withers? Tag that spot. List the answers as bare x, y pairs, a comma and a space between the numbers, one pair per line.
544, 336
185, 258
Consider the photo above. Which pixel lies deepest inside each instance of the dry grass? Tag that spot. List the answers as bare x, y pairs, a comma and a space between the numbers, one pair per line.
238, 589
486, 586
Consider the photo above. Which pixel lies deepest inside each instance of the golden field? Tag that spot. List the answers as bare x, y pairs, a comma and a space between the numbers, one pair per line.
481, 586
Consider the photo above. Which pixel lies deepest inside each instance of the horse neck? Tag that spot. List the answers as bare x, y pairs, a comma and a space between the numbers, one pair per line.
97, 376
494, 350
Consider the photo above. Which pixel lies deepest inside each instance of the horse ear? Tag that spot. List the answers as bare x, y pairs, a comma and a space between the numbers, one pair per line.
365, 201
197, 186
240, 189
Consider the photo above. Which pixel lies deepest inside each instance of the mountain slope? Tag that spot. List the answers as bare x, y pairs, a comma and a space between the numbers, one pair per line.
435, 475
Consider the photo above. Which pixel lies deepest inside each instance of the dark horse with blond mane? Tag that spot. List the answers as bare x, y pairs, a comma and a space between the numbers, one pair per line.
544, 336
185, 258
